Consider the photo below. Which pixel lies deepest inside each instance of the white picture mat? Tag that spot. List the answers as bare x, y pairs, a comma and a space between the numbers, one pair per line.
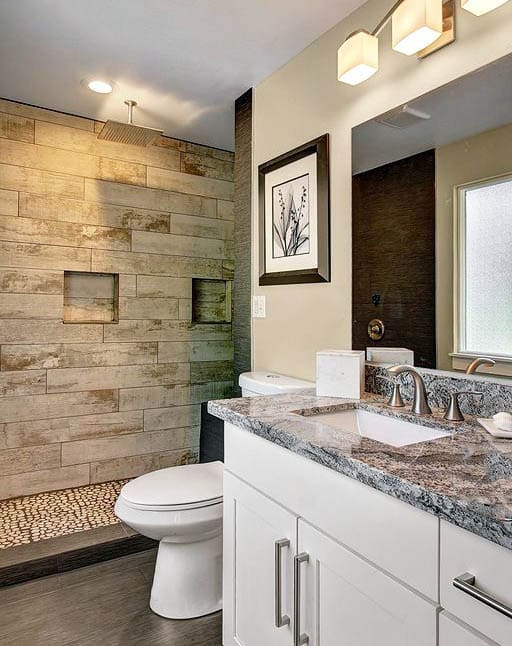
304, 166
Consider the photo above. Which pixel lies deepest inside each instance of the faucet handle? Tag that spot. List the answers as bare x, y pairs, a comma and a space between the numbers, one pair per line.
395, 400
453, 412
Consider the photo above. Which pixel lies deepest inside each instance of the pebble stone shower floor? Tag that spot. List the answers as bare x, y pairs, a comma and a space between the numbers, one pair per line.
57, 513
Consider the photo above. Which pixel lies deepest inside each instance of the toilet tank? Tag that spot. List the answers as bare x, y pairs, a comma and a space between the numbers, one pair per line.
254, 384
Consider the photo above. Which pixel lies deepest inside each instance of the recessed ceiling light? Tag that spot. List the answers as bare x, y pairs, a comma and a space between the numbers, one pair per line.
102, 87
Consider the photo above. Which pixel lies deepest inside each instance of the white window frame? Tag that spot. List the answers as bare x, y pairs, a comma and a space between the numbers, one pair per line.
459, 268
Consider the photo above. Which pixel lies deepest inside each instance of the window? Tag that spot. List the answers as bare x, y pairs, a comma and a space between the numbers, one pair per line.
484, 268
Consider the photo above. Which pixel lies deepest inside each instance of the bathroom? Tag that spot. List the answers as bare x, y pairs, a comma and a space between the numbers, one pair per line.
219, 427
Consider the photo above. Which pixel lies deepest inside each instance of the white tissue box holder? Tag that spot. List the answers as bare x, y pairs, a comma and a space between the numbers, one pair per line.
340, 373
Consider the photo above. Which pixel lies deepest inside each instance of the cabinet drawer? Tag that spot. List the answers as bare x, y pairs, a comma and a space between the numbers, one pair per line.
491, 565
454, 633
400, 539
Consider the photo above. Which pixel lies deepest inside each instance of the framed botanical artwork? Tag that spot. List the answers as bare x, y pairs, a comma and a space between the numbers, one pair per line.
294, 216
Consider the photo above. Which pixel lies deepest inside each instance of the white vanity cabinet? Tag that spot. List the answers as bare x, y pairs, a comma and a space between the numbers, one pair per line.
277, 521
454, 633
259, 546
346, 600
312, 556
271, 553
488, 582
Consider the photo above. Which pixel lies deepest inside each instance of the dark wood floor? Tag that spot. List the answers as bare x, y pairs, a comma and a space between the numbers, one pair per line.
100, 605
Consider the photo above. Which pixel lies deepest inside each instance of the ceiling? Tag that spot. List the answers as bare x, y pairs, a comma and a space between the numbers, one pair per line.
472, 104
183, 61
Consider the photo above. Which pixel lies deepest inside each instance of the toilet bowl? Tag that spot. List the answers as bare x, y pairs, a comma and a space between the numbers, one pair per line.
181, 507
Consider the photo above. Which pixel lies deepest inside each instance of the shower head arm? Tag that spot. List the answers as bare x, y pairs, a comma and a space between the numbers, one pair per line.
131, 105
128, 132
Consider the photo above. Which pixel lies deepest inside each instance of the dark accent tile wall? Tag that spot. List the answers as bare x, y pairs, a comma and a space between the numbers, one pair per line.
242, 279
212, 437
393, 255
212, 429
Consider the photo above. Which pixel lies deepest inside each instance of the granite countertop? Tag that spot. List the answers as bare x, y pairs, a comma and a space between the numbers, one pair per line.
465, 478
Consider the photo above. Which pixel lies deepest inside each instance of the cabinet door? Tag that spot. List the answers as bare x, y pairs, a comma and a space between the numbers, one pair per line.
453, 633
491, 565
253, 527
345, 600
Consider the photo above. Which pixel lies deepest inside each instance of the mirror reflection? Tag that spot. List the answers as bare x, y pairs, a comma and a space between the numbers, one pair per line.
432, 227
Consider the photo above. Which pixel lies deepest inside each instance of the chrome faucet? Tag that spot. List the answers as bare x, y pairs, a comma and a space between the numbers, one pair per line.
420, 404
476, 363
453, 412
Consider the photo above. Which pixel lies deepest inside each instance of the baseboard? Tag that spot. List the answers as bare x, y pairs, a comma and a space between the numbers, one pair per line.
64, 553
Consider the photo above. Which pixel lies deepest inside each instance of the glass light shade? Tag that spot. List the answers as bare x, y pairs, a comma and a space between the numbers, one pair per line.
358, 58
416, 24
101, 87
479, 7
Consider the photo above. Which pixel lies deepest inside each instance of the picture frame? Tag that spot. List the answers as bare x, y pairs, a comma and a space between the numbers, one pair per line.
294, 216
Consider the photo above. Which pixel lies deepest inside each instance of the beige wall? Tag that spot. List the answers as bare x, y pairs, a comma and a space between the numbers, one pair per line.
303, 100
468, 160
83, 403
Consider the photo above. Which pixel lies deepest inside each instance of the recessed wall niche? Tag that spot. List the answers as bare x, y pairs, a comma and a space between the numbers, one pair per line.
91, 297
211, 301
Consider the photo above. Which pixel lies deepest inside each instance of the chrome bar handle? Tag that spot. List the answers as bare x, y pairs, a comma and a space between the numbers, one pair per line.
279, 619
466, 582
298, 638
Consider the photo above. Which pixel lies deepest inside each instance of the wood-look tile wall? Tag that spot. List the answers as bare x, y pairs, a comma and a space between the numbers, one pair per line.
83, 403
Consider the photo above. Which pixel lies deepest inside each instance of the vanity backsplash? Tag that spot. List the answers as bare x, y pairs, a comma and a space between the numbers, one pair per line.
497, 394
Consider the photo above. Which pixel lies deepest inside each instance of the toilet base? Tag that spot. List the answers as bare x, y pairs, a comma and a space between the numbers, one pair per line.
188, 579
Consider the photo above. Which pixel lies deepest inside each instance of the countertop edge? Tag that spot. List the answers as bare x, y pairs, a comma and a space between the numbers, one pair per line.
444, 507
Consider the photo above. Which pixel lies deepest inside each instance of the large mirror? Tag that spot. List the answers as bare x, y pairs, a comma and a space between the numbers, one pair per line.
432, 225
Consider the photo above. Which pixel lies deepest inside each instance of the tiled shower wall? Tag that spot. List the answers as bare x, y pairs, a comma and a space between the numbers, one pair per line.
83, 403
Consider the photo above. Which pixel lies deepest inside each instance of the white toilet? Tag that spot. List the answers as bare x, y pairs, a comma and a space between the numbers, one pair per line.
182, 508
255, 384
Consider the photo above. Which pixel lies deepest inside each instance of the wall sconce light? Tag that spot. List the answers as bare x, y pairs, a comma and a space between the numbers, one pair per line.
418, 27
416, 24
358, 58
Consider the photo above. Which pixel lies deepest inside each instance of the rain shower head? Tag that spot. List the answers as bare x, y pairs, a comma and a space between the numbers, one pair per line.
128, 133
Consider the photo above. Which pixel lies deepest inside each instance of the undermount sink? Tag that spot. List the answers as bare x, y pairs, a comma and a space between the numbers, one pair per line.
389, 430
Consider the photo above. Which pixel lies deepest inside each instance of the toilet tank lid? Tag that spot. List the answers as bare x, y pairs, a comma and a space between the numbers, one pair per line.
271, 383
182, 485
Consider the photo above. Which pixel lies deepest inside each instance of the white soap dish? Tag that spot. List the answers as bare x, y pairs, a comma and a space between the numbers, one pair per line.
503, 421
490, 427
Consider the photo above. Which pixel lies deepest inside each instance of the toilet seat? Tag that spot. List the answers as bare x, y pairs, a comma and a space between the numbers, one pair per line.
190, 486
186, 507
